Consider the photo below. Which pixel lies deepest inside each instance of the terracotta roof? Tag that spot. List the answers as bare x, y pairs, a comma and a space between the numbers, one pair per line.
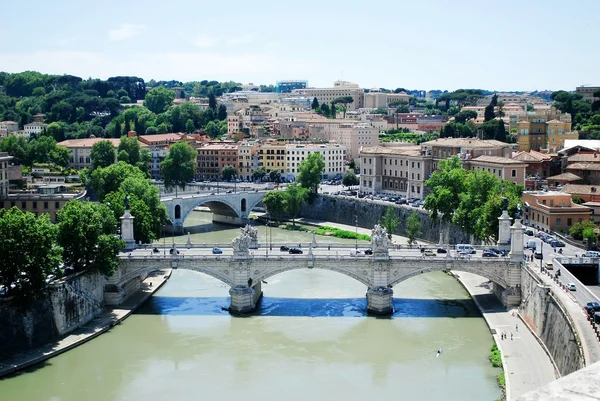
564, 177
498, 160
87, 142
466, 143
584, 166
544, 156
150, 139
585, 157
576, 189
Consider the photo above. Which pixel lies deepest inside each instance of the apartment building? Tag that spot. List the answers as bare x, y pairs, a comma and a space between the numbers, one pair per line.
465, 148
395, 169
334, 156
247, 159
34, 128
48, 199
4, 173
272, 156
352, 135
502, 167
158, 146
9, 126
234, 123
213, 157
544, 130
553, 211
538, 164
375, 99
339, 89
81, 148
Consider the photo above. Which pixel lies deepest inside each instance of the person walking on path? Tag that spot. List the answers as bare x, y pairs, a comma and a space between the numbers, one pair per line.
511, 336
517, 327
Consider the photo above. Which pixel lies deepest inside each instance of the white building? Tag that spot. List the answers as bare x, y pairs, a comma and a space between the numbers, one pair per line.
339, 89
4, 160
353, 136
334, 156
81, 149
9, 126
34, 128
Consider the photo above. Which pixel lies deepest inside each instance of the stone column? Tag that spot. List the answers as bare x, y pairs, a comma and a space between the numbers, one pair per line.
127, 230
504, 231
245, 292
512, 294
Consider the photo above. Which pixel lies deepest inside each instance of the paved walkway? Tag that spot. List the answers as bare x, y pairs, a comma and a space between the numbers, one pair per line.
92, 329
589, 341
526, 364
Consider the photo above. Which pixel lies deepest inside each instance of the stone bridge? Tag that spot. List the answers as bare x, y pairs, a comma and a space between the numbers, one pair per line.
229, 208
245, 272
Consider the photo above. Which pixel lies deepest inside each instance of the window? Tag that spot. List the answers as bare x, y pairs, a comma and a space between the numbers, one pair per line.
514, 173
569, 222
45, 205
34, 205
558, 222
23, 205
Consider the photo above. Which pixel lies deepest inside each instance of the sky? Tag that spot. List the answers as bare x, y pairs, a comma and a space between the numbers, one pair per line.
419, 44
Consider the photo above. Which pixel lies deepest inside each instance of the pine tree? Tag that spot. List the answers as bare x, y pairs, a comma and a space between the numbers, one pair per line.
315, 104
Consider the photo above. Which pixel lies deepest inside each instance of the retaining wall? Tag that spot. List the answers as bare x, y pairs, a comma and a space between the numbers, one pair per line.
368, 213
546, 317
70, 304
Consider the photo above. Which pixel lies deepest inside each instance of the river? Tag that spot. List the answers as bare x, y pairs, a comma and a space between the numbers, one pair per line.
309, 340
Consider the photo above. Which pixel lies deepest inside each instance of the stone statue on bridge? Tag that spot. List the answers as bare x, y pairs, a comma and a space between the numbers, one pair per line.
245, 240
380, 241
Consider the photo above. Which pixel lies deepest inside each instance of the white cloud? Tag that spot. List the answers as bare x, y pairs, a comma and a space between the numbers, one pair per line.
125, 31
205, 41
239, 40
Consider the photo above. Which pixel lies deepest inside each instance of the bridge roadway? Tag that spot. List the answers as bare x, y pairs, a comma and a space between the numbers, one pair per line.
245, 272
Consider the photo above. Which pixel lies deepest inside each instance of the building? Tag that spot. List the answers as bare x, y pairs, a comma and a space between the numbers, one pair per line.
247, 160
399, 170
81, 148
9, 126
213, 157
587, 92
158, 146
376, 99
272, 157
339, 89
4, 173
334, 156
544, 131
34, 128
352, 135
541, 165
289, 86
587, 193
553, 211
504, 168
465, 148
234, 124
47, 199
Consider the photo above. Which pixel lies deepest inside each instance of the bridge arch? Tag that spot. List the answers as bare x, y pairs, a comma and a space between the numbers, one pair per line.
243, 205
263, 275
130, 275
490, 275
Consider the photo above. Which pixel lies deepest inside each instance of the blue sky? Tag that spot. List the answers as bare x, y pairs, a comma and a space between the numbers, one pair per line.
425, 44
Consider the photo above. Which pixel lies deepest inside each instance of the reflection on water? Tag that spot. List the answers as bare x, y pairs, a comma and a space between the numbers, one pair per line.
310, 339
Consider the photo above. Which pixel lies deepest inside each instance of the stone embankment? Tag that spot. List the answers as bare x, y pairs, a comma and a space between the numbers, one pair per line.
71, 315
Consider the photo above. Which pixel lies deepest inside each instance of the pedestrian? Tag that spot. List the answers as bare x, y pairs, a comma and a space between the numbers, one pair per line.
511, 336
517, 327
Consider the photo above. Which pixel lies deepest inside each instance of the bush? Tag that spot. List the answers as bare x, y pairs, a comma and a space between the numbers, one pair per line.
495, 357
337, 233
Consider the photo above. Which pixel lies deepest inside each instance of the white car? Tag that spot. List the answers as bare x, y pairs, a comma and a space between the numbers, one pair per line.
357, 252
571, 287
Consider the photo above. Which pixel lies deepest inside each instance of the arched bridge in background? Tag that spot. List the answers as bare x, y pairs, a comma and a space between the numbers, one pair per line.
229, 208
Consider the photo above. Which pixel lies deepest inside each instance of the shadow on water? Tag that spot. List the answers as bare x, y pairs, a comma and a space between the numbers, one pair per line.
311, 307
32, 369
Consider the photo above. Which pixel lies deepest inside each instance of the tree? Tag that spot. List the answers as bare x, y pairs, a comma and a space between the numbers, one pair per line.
315, 103
109, 179
352, 164
380, 111
489, 113
276, 204
310, 172
179, 167
228, 172
344, 101
413, 228
40, 150
102, 154
158, 100
189, 126
274, 176
56, 131
445, 185
61, 156
349, 179
295, 197
87, 233
390, 221
212, 102
222, 112
151, 131
131, 146
259, 173
29, 252
463, 116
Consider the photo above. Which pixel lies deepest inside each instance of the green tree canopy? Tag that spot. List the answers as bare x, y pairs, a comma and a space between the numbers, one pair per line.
29, 252
413, 228
102, 154
179, 167
295, 197
445, 185
87, 232
259, 173
315, 103
131, 145
158, 100
350, 179
390, 221
276, 204
109, 179
228, 172
310, 172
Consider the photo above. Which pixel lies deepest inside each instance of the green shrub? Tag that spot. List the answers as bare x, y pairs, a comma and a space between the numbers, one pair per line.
338, 233
495, 357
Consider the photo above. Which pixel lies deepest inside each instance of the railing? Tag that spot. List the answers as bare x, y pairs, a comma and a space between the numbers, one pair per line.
320, 245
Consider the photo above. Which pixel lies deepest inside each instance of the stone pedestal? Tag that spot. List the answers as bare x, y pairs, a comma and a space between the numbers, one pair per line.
504, 231
243, 299
127, 230
189, 241
379, 301
516, 243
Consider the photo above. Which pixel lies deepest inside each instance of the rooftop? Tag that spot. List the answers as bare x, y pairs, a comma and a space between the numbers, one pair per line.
584, 166
499, 160
577, 189
88, 142
411, 150
466, 143
585, 157
158, 138
564, 177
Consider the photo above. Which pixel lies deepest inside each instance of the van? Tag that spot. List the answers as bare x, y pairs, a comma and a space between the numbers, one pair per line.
591, 254
465, 248
531, 244
549, 266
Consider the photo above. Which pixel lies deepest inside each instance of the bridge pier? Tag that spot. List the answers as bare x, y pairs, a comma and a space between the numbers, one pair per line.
244, 299
379, 301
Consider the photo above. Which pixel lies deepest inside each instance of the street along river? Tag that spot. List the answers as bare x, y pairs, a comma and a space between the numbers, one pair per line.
309, 340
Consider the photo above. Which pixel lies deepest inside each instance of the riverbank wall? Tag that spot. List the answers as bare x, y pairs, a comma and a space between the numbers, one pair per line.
547, 318
71, 303
366, 213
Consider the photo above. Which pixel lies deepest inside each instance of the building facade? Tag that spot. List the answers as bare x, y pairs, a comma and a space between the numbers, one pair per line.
553, 211
334, 156
48, 199
81, 148
34, 128
339, 89
5, 159
587, 92
502, 167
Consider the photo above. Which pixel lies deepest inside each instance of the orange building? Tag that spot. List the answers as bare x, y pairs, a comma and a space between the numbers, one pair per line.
553, 211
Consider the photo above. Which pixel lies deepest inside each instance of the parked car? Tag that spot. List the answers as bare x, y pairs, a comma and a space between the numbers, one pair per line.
217, 251
368, 251
538, 255
428, 252
557, 243
500, 252
293, 251
531, 244
488, 253
528, 232
591, 254
571, 287
356, 252
442, 250
549, 266
284, 248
